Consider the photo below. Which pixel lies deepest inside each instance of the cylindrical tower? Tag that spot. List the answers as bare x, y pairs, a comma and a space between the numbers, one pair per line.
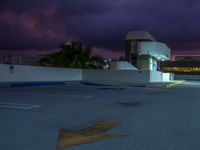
131, 43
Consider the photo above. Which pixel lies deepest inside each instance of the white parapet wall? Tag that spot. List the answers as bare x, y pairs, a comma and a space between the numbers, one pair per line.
22, 73
115, 76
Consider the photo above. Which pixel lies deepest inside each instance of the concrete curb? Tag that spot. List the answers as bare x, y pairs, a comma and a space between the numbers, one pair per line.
167, 85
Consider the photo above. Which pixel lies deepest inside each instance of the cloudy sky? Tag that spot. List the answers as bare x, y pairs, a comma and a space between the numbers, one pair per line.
34, 26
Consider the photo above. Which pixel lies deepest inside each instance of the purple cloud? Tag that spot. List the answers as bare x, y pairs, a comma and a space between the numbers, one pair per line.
45, 24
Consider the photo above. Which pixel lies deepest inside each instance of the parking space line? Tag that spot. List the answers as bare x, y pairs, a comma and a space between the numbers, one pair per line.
46, 95
18, 105
87, 97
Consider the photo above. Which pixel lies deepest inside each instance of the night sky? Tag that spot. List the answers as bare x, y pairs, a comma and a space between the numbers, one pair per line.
34, 26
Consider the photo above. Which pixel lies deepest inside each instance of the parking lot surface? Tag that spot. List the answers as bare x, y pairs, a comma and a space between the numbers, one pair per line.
150, 118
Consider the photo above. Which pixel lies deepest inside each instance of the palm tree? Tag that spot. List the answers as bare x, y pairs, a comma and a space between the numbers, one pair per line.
73, 57
91, 61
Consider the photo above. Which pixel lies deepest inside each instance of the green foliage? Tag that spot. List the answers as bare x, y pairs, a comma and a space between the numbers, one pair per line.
7, 62
73, 57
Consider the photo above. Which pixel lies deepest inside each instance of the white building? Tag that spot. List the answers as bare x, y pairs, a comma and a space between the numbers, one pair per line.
143, 51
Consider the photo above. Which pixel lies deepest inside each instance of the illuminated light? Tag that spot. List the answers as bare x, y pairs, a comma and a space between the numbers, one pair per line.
166, 77
181, 69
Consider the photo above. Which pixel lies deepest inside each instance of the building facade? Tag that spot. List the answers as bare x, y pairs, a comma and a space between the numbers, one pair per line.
143, 51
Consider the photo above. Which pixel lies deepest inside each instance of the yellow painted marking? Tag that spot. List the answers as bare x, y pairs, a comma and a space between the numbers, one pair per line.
167, 85
93, 133
99, 127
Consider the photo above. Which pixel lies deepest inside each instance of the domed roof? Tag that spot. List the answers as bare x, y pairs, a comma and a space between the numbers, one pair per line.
139, 35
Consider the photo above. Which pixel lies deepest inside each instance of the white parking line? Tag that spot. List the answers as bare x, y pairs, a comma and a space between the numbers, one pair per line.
87, 97
46, 95
19, 106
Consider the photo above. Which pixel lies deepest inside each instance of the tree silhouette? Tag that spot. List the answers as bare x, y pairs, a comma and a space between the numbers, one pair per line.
73, 57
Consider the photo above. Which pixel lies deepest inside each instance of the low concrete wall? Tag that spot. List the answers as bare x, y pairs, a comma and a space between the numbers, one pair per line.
47, 74
115, 76
37, 74
156, 76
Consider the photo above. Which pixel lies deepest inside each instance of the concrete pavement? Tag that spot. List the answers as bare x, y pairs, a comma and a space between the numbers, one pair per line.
151, 119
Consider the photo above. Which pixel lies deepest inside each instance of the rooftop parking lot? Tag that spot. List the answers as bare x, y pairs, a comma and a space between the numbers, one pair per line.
150, 118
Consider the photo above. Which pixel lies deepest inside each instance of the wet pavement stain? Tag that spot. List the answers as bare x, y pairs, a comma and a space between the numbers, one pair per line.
130, 104
112, 89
